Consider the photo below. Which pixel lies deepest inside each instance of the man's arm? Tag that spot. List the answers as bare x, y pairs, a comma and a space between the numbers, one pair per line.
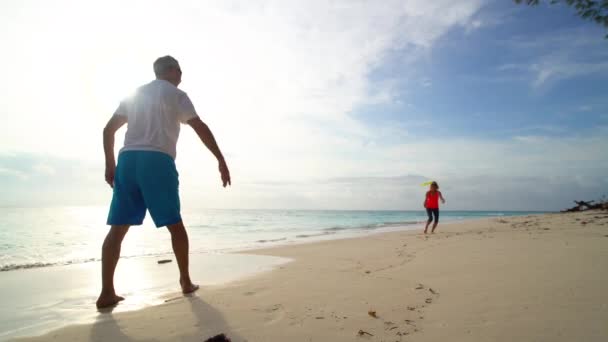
425, 197
115, 122
204, 133
441, 196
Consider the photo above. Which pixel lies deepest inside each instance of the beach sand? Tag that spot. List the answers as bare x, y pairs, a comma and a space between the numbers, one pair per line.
533, 278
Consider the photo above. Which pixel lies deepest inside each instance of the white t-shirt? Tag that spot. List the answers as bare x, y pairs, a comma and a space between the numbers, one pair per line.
153, 115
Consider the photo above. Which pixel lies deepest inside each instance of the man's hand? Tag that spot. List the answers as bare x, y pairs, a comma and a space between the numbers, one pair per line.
110, 170
442, 201
204, 133
225, 173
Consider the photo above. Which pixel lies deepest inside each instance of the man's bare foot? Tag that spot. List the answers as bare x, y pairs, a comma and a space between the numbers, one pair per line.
188, 287
107, 300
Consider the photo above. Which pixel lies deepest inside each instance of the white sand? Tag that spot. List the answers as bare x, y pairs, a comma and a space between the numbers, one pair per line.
537, 278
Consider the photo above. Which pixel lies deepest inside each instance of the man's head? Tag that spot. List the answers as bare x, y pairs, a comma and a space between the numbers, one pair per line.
167, 68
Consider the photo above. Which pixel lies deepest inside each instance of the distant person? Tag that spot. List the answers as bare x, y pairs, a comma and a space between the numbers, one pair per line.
146, 177
431, 203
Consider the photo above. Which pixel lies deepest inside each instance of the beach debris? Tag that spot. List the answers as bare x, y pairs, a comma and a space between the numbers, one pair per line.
363, 333
429, 300
372, 313
583, 222
368, 272
164, 261
432, 291
419, 287
411, 308
218, 338
319, 317
273, 308
587, 205
172, 299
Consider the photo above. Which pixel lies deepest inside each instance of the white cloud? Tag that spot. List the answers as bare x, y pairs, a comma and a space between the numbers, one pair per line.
474, 25
524, 173
530, 138
556, 56
276, 80
426, 82
555, 67
44, 169
553, 70
585, 108
7, 172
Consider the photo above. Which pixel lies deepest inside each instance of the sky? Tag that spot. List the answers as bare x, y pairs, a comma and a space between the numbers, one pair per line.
315, 104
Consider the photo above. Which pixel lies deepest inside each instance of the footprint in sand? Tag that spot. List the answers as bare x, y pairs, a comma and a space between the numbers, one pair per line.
273, 313
389, 325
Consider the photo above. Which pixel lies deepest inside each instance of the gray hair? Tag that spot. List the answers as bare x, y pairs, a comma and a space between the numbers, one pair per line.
164, 64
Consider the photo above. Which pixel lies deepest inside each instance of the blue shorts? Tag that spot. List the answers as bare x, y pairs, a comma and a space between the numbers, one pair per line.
145, 180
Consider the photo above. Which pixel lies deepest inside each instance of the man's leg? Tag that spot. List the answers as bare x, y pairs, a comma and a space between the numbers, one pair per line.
110, 253
179, 241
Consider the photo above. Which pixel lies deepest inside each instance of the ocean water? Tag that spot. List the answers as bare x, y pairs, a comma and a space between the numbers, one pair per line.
45, 237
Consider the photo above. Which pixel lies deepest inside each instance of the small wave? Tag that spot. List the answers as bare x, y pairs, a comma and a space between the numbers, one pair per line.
13, 267
304, 236
399, 224
271, 240
336, 229
372, 226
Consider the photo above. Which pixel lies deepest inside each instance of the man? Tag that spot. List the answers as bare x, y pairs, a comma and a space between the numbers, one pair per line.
146, 177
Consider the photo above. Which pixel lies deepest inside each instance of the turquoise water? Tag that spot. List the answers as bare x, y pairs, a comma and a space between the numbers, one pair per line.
40, 237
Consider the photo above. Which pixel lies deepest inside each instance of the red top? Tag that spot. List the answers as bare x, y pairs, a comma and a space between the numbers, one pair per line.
432, 200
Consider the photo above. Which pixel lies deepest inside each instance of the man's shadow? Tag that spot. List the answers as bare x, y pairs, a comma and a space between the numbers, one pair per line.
106, 328
209, 323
